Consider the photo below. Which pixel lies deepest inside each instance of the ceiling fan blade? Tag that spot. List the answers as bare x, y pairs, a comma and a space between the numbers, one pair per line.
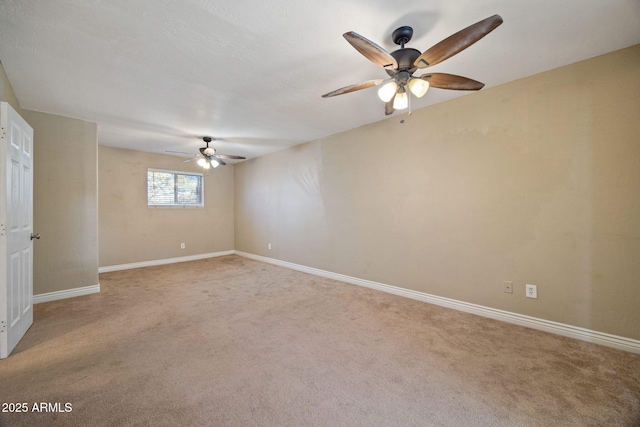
219, 160
451, 81
228, 157
388, 107
457, 42
353, 88
371, 51
190, 160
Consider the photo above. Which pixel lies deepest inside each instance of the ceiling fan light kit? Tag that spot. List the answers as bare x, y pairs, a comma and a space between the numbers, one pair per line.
402, 63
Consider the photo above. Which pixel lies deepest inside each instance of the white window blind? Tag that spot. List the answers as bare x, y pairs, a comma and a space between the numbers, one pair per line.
171, 188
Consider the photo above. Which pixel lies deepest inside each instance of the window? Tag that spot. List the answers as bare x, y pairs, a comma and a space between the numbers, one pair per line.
170, 188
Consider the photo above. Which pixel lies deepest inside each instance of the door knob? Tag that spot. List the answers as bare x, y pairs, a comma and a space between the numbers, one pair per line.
35, 236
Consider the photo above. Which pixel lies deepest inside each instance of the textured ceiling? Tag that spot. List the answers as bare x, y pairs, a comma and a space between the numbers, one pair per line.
157, 74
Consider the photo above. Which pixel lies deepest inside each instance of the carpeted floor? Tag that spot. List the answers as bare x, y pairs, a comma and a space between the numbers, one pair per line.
235, 342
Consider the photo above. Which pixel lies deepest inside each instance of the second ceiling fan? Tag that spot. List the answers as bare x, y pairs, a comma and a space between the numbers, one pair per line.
402, 63
208, 157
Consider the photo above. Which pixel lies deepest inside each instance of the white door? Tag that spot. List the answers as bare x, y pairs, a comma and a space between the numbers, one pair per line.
16, 227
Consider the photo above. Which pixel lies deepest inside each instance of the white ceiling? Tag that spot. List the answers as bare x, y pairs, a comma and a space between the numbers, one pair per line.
157, 74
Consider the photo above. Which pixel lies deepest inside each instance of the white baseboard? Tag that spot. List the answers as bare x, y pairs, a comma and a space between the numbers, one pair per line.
110, 268
583, 334
67, 293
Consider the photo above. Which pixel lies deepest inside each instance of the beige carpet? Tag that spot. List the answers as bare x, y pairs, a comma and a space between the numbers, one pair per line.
234, 342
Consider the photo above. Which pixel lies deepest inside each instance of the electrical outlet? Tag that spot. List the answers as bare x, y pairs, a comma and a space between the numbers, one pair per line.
182, 246
269, 246
508, 287
531, 291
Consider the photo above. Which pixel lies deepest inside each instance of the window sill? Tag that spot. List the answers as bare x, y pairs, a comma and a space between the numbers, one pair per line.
176, 206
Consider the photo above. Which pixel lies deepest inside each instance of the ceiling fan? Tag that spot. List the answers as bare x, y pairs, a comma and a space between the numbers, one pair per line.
208, 157
402, 63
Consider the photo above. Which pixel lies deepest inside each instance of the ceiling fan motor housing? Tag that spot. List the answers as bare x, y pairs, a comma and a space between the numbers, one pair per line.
207, 151
405, 58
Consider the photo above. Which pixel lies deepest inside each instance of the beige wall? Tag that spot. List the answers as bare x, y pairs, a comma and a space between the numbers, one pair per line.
6, 91
130, 231
536, 181
65, 202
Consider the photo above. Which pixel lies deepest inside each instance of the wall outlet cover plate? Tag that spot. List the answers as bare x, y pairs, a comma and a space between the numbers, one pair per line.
531, 291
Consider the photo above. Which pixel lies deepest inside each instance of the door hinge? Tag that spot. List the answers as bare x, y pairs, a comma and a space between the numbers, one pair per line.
2, 229
3, 326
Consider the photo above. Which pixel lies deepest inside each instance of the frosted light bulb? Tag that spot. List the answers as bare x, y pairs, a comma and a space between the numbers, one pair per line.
204, 163
418, 87
402, 101
387, 91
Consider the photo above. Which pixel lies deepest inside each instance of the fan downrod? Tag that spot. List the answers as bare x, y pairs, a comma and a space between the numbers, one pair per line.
402, 35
